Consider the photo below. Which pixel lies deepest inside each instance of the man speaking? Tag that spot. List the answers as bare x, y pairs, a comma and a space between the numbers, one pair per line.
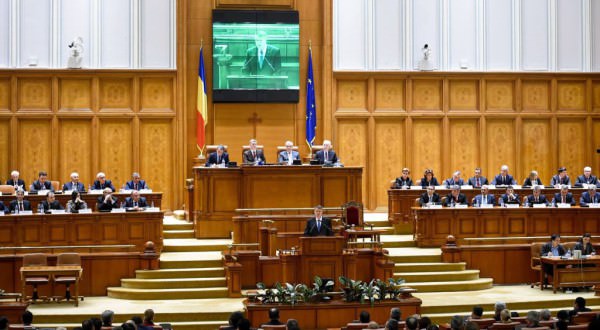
262, 59
318, 226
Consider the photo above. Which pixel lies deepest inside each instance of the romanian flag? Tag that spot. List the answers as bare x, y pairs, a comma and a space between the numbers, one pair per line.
311, 109
201, 105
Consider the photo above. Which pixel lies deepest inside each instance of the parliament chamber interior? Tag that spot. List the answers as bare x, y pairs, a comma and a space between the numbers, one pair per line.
299, 164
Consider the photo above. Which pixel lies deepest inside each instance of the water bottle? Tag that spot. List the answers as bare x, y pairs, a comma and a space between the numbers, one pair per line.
553, 202
122, 205
89, 187
452, 203
152, 204
40, 208
501, 201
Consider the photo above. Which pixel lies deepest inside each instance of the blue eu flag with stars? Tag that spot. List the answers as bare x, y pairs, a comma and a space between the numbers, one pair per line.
311, 109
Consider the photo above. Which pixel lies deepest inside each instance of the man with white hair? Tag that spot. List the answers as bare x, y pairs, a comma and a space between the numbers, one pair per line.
454, 180
504, 179
101, 182
15, 181
589, 197
136, 182
288, 155
107, 201
74, 184
586, 178
327, 155
254, 155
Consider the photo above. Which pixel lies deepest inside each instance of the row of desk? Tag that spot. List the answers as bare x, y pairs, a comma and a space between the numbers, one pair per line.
90, 199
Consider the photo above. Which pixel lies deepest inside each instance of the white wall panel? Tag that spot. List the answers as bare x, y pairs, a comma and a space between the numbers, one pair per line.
74, 22
462, 35
569, 46
351, 34
35, 33
115, 34
595, 35
4, 34
426, 23
389, 22
535, 53
498, 38
155, 33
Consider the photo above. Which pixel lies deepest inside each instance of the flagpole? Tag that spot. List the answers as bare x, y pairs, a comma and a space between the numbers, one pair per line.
310, 52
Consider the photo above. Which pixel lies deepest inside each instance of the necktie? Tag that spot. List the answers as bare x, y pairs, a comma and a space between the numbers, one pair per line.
484, 199
135, 186
290, 159
503, 180
326, 158
319, 225
536, 199
563, 199
21, 206
218, 159
477, 182
135, 204
261, 57
254, 154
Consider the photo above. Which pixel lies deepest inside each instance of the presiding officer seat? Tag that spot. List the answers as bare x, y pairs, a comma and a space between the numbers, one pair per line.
210, 148
55, 185
247, 147
352, 214
282, 148
35, 259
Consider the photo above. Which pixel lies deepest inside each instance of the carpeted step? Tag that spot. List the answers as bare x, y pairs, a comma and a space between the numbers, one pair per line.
195, 245
170, 260
173, 283
180, 273
187, 293
172, 264
472, 285
178, 226
429, 267
461, 275
397, 241
414, 255
178, 233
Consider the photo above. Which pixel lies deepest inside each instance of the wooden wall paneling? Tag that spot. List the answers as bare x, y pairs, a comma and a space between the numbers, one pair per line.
75, 150
157, 164
35, 94
351, 94
535, 95
75, 95
5, 95
500, 145
595, 96
427, 147
499, 95
389, 95
389, 156
463, 146
537, 149
571, 95
464, 95
157, 95
352, 149
427, 94
116, 94
572, 142
34, 148
115, 149
5, 141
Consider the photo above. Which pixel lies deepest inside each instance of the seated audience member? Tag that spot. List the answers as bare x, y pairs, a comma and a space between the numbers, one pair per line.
505, 316
27, 318
404, 180
561, 178
484, 198
3, 323
455, 197
87, 325
430, 197
51, 203
429, 179
135, 200
564, 196
532, 319
254, 155
136, 183
412, 323
41, 183
532, 180
3, 208
327, 155
288, 155
234, 319
545, 315
563, 315
457, 322
318, 225
148, 318
101, 182
579, 306
273, 317
471, 326
593, 325
585, 245
107, 201
244, 324
510, 197
476, 313
536, 197
96, 322
424, 322
589, 197
107, 318
372, 325
550, 249
76, 203
137, 321
292, 324
477, 180
562, 325
499, 306
128, 325
503, 179
391, 324
363, 317
396, 314
586, 178
454, 180
15, 181
218, 157
19, 204
74, 184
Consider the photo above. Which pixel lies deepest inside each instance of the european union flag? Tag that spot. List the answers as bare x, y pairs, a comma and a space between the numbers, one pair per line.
311, 109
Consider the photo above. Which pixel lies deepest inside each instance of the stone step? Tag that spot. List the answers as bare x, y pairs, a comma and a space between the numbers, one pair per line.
414, 255
170, 260
180, 273
187, 293
195, 245
397, 241
190, 264
173, 283
178, 226
178, 233
429, 267
451, 286
461, 275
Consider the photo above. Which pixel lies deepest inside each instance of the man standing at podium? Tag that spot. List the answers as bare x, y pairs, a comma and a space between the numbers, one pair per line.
262, 59
318, 226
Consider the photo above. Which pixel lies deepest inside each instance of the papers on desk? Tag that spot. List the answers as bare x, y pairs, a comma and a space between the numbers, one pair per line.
67, 192
152, 209
594, 206
461, 206
57, 212
145, 191
416, 187
25, 213
516, 186
538, 206
85, 211
563, 205
438, 206
512, 206
43, 192
466, 187
491, 186
95, 191
117, 211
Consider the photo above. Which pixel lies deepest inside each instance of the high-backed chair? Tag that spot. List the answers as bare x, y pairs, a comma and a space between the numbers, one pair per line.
357, 326
213, 147
258, 147
35, 259
67, 259
282, 148
583, 317
503, 326
352, 213
6, 189
536, 263
314, 150
55, 185
484, 323
273, 326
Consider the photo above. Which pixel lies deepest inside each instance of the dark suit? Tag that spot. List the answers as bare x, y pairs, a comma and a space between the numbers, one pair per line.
507, 180
331, 156
250, 159
557, 180
528, 183
541, 200
435, 199
490, 199
3, 208
20, 183
130, 185
12, 207
37, 186
473, 181
401, 182
582, 179
214, 158
270, 65
450, 182
544, 252
284, 156
568, 199
107, 184
506, 199
106, 207
312, 230
586, 199
141, 202
425, 183
585, 250
460, 199
69, 186
52, 206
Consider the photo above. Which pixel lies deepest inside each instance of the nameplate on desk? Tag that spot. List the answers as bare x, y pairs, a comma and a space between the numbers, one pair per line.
516, 186
539, 206
95, 191
491, 186
57, 212
145, 191
486, 206
594, 206
563, 205
152, 209
85, 211
117, 211
43, 192
512, 206
25, 213
440, 187
125, 191
466, 187
416, 187
438, 206
67, 192
461, 206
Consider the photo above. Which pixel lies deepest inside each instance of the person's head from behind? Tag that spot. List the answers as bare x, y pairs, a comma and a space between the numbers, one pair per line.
3, 323
244, 324
149, 315
292, 324
563, 315
27, 318
260, 39
545, 315
364, 317
87, 325
412, 323
424, 322
505, 315
274, 313
533, 318
129, 325
391, 325
457, 322
563, 325
235, 317
499, 306
96, 322
107, 318
579, 303
477, 312
395, 313
137, 321
373, 325
471, 326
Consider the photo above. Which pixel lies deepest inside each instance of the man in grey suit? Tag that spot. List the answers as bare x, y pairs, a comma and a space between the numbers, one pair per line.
253, 155
478, 180
288, 156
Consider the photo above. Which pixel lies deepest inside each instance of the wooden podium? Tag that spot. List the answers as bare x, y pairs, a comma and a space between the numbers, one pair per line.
322, 256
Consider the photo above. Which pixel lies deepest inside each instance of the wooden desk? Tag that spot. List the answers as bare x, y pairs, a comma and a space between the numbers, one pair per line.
575, 276
434, 225
218, 192
90, 199
51, 271
354, 234
13, 310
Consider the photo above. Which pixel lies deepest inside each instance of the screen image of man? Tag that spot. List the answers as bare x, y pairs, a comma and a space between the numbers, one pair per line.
318, 226
262, 59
